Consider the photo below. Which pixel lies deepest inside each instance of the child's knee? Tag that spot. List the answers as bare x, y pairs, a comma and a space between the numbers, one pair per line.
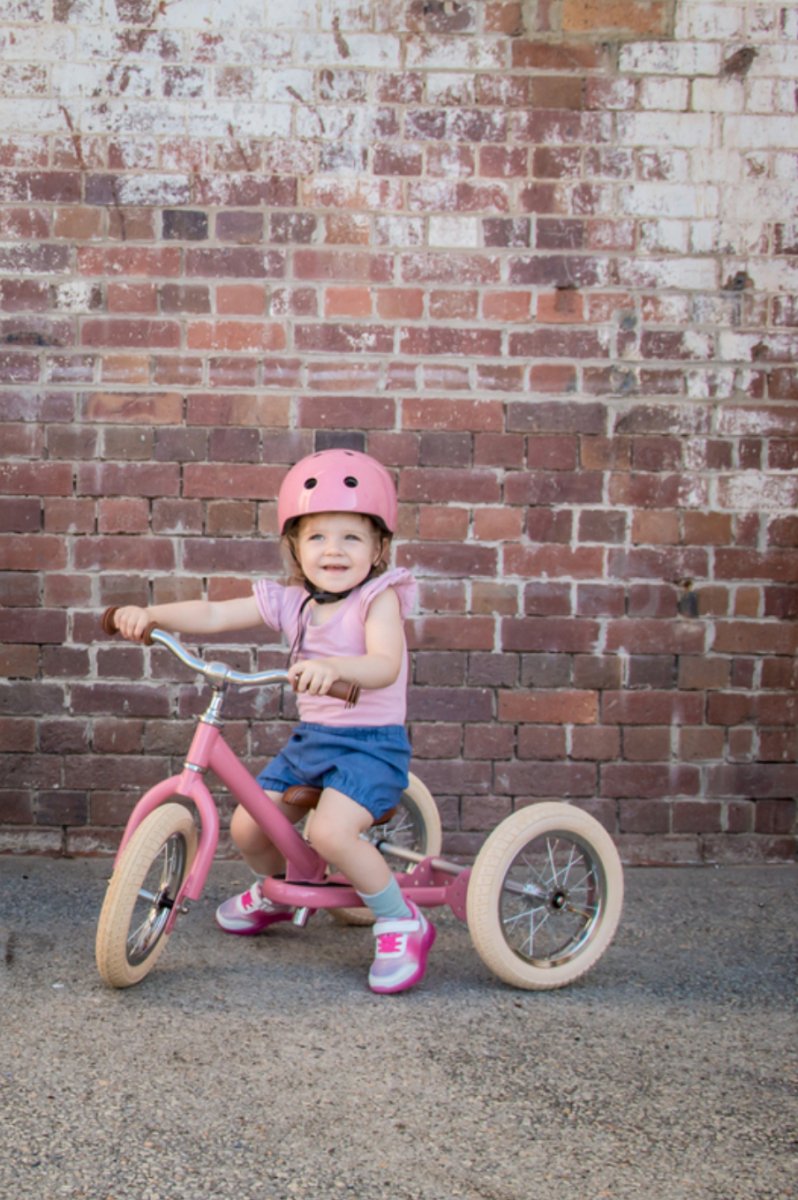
324, 835
246, 833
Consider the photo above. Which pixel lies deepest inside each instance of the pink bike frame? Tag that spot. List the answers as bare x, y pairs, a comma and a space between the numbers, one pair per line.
305, 886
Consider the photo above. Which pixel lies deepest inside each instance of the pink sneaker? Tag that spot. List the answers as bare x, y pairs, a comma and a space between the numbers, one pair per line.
250, 913
400, 959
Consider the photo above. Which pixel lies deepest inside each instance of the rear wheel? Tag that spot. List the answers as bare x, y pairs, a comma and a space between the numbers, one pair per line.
144, 886
416, 825
545, 896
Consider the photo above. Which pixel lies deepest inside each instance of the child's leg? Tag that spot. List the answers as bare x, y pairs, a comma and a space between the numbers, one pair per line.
335, 833
251, 912
403, 934
253, 844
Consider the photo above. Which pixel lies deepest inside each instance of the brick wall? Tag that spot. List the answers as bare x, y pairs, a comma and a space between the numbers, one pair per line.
539, 258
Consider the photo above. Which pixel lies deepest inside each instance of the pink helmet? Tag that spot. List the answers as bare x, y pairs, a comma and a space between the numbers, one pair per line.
338, 481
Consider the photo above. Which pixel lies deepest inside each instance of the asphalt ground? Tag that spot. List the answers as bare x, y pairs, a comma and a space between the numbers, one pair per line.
264, 1069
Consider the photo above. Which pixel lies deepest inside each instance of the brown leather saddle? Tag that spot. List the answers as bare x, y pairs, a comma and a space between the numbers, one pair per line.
302, 796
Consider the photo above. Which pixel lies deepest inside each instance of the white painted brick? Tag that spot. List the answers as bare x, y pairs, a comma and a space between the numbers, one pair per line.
356, 15
708, 22
189, 118
705, 385
785, 165
744, 420
363, 50
790, 25
89, 11
684, 274
671, 129
774, 274
42, 44
450, 88
241, 47
718, 95
209, 15
746, 347
765, 20
775, 61
74, 295
759, 132
147, 189
291, 14
668, 200
455, 54
720, 166
399, 231
759, 96
285, 85
752, 491
129, 79
331, 122
455, 232
784, 96
664, 237
670, 58
702, 237
755, 203
664, 165
665, 94
31, 116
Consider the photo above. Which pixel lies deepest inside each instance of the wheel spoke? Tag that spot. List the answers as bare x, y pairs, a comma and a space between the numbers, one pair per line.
549, 898
165, 875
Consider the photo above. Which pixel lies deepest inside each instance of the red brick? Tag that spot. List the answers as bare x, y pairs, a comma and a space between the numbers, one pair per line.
20, 552
442, 485
546, 708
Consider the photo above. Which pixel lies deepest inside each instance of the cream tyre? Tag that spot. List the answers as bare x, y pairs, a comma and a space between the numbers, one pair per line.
545, 896
131, 933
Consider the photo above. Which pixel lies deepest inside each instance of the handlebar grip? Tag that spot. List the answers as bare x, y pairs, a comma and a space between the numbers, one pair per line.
341, 690
108, 623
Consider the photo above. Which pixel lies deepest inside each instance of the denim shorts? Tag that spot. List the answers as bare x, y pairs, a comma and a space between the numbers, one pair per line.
368, 763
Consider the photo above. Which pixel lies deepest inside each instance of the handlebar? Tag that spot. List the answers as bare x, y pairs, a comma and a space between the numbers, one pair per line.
219, 674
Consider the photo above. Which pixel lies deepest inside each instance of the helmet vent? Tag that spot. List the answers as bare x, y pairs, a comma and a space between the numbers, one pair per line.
310, 483
350, 481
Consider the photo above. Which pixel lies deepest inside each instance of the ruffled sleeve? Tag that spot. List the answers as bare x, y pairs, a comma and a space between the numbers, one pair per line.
270, 598
402, 583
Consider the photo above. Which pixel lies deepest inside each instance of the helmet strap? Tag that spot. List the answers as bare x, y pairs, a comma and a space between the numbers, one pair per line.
322, 597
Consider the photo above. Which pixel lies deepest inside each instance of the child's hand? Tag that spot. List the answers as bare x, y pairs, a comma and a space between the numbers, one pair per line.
314, 675
132, 622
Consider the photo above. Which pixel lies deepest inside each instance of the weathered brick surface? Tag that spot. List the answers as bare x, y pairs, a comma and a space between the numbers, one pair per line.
540, 259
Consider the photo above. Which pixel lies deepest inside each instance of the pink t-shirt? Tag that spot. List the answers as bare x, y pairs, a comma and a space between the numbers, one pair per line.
344, 633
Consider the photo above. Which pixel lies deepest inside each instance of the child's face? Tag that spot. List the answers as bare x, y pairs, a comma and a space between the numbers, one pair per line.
336, 551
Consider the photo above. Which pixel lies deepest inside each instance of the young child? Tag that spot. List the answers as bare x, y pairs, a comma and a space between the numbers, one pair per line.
342, 616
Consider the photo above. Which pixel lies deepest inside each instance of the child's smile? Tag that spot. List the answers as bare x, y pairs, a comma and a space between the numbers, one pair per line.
336, 551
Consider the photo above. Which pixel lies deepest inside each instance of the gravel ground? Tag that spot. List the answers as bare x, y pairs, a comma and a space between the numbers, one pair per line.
264, 1069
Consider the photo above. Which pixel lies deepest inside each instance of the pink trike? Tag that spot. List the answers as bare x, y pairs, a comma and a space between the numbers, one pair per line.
542, 899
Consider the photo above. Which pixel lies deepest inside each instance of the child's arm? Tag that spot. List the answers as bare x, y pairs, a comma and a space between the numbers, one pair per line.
377, 668
189, 616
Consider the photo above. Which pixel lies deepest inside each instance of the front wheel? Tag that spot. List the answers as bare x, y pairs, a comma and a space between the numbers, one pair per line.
545, 896
144, 886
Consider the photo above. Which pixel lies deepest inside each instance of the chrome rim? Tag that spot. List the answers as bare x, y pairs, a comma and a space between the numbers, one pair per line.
156, 899
552, 899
